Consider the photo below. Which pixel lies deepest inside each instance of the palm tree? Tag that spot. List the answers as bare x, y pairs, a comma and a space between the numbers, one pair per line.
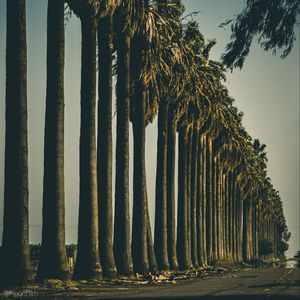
213, 198
104, 149
262, 160
177, 57
169, 91
122, 248
139, 226
150, 246
53, 253
171, 85
199, 205
209, 195
188, 110
188, 188
161, 234
87, 262
146, 46
182, 229
216, 203
194, 185
202, 200
15, 267
172, 253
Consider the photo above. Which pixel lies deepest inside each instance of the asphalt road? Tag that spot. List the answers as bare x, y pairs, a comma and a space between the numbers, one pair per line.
257, 284
246, 284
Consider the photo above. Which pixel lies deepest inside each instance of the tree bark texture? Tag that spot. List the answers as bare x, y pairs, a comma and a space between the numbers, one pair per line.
122, 238
194, 185
139, 227
104, 149
209, 195
15, 267
53, 261
188, 188
87, 262
204, 197
172, 253
182, 229
161, 234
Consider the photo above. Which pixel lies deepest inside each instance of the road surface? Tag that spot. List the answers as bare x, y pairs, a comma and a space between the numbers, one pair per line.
251, 284
245, 284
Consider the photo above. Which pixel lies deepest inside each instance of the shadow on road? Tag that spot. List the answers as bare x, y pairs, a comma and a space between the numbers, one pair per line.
271, 285
229, 297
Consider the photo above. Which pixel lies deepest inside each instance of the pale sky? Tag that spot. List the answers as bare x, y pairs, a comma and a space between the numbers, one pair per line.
266, 90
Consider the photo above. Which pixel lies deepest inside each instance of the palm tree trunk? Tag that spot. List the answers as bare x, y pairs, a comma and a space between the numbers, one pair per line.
182, 229
236, 219
274, 235
188, 190
224, 214
140, 202
214, 206
253, 231
161, 234
194, 185
87, 262
250, 232
233, 219
221, 212
261, 230
204, 198
53, 262
218, 226
209, 194
122, 248
104, 149
230, 215
139, 226
256, 231
199, 204
247, 230
240, 227
227, 215
150, 247
172, 253
15, 267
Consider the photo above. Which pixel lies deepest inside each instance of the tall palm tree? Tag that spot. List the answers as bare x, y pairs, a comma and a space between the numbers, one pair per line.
161, 234
202, 200
194, 185
104, 149
169, 91
189, 107
53, 253
146, 46
139, 226
188, 188
150, 246
182, 229
15, 267
209, 195
122, 248
87, 262
199, 205
172, 253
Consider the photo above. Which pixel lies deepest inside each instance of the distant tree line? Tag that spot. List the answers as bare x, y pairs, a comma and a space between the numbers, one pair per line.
226, 204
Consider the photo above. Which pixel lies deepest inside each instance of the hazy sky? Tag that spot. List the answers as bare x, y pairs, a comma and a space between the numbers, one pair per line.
266, 90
